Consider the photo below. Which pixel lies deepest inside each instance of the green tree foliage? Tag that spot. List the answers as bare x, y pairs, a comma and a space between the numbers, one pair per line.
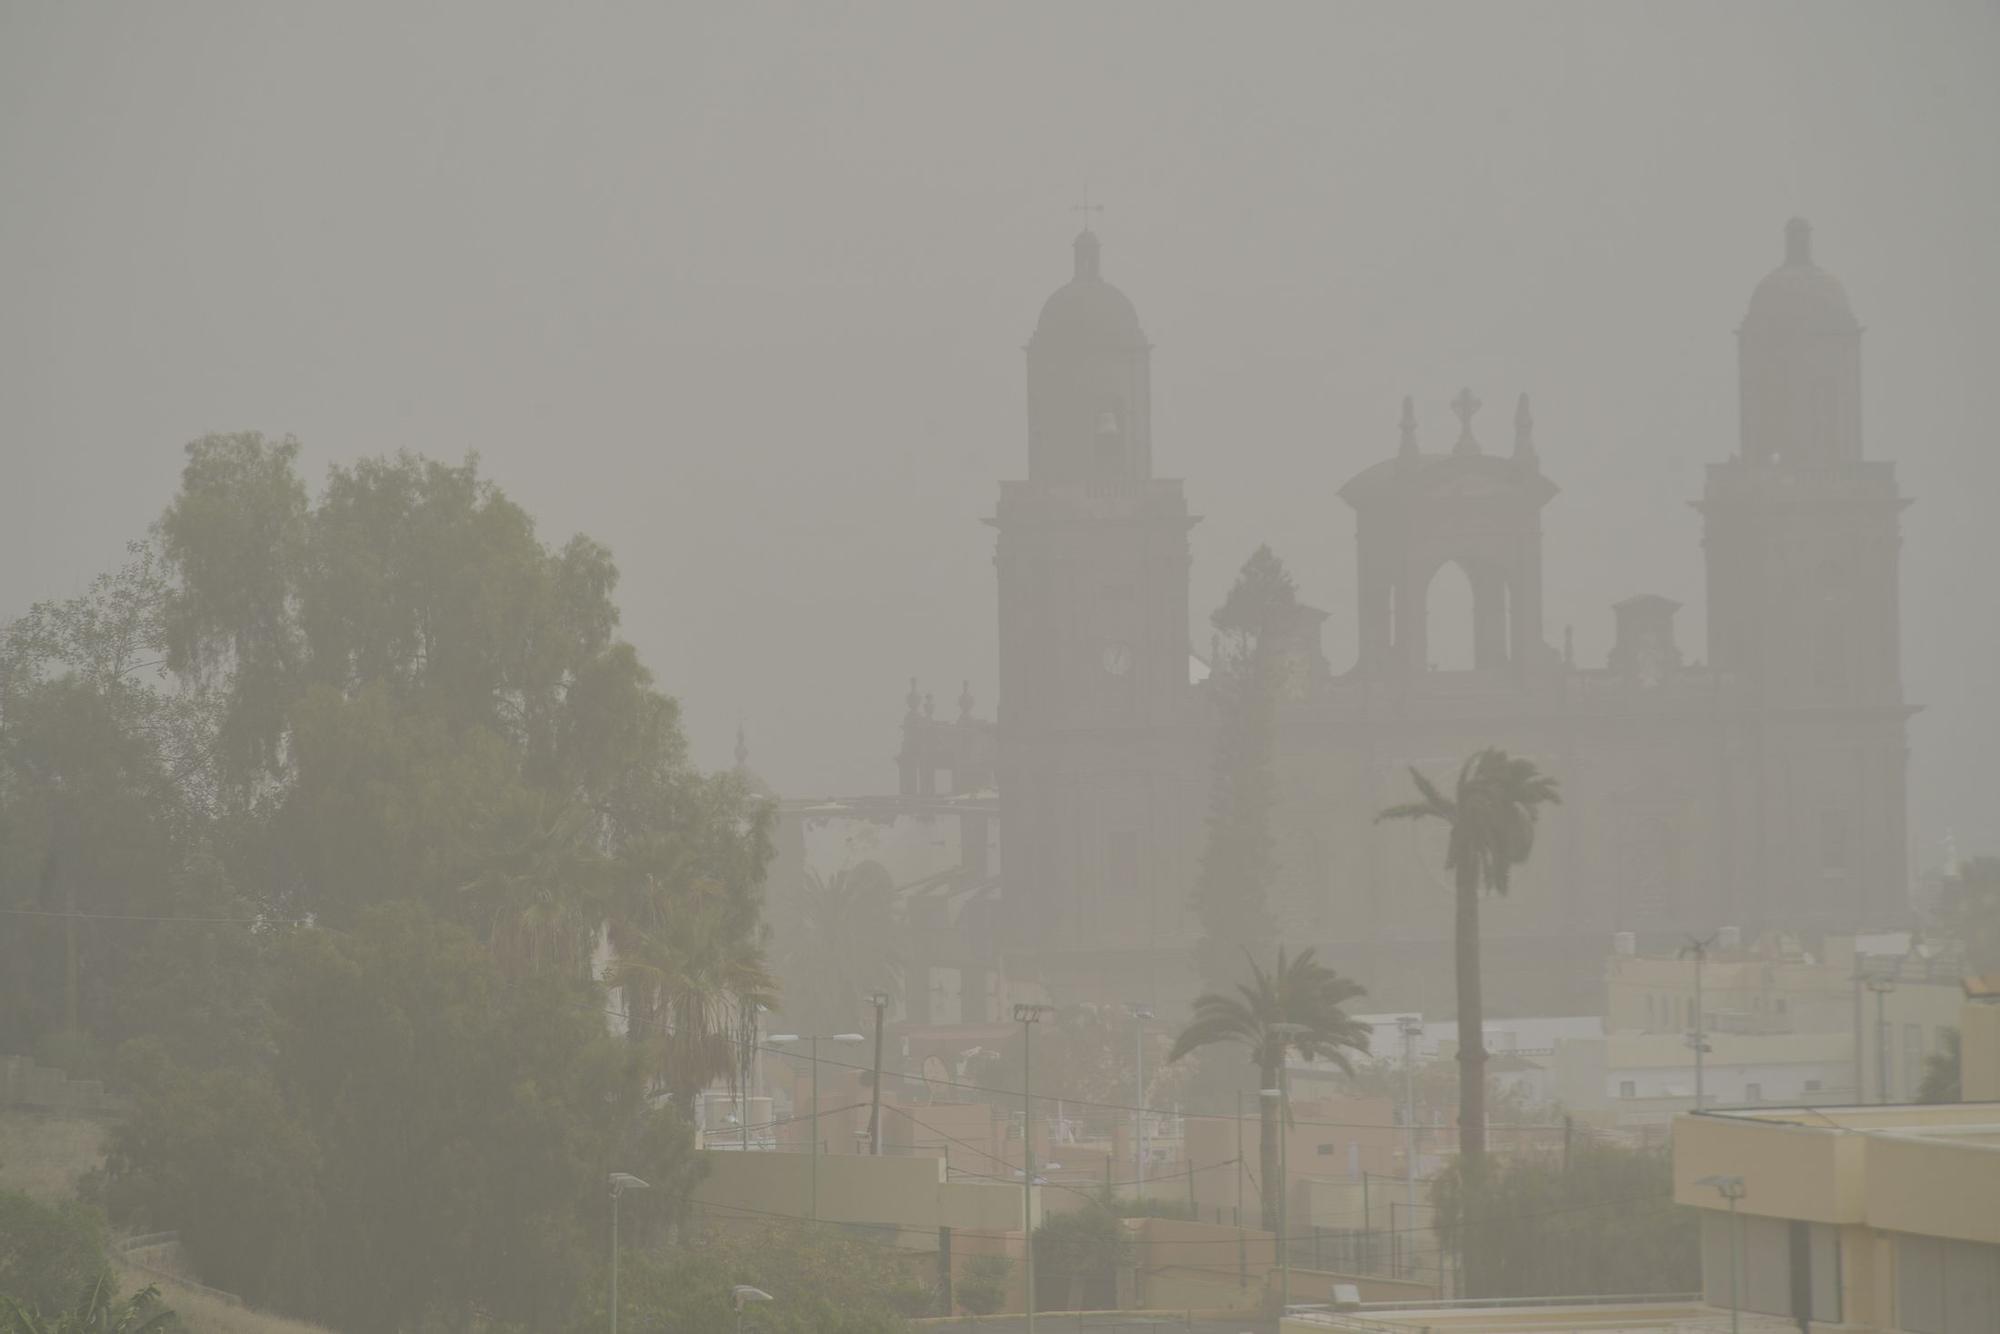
317, 813
48, 1253
821, 1282
1255, 627
1941, 1070
108, 822
431, 1140
982, 1289
1077, 1255
1600, 1220
1301, 991
97, 1311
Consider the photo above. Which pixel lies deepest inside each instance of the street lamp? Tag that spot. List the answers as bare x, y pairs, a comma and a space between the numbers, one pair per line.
1140, 1014
1287, 1035
742, 1295
880, 1000
1027, 1016
1731, 1189
620, 1183
783, 1038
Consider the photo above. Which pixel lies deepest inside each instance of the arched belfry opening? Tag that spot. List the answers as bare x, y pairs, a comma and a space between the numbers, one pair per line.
1450, 555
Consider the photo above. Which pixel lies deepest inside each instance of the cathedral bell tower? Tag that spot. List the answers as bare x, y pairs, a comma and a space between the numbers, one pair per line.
1802, 540
1092, 558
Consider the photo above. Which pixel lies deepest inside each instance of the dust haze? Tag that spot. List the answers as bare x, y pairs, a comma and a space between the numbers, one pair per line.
1246, 666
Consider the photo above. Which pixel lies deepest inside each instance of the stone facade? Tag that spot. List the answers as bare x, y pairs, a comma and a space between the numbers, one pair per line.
1763, 789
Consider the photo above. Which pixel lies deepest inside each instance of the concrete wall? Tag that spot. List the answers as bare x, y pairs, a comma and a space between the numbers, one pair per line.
908, 1199
1979, 1051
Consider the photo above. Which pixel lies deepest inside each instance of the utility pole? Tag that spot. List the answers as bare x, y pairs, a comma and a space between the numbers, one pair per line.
1286, 1035
1697, 949
1140, 1014
1028, 1016
1242, 1256
1410, 1025
880, 1000
1881, 984
1860, 1055
814, 1048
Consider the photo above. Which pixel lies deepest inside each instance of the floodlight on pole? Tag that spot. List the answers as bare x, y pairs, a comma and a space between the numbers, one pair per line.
1731, 1188
620, 1183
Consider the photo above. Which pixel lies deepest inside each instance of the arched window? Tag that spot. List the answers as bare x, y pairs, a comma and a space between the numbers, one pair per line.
1448, 620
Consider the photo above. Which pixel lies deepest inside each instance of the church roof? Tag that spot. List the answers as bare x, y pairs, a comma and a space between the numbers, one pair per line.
1086, 309
1462, 477
1799, 294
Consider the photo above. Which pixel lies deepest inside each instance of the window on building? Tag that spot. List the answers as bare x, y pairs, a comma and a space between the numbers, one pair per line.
1775, 1252
1753, 1093
1913, 1059
1782, 1006
1812, 1086
1947, 1287
1628, 1088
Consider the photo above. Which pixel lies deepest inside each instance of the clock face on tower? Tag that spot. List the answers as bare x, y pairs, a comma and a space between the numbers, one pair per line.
1117, 659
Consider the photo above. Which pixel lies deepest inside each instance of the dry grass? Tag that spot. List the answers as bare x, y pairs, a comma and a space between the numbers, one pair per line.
202, 1314
41, 1155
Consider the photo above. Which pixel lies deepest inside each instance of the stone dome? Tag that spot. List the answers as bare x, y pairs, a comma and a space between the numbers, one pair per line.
1086, 309
1799, 294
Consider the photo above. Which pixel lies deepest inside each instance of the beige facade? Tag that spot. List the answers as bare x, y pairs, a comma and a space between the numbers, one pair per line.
1773, 986
1872, 1218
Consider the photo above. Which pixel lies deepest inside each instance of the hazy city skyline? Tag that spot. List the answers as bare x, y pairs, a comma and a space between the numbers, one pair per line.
741, 294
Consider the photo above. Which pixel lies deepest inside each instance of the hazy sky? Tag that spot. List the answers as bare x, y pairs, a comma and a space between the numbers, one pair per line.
741, 291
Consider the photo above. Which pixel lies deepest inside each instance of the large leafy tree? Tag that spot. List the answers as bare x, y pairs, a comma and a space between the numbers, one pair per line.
1253, 628
1596, 1219
1299, 991
1490, 822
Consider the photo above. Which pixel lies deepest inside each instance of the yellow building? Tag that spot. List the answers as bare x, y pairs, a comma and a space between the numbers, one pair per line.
1868, 1218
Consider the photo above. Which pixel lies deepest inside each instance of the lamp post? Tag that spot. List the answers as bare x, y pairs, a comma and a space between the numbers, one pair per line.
620, 1183
1287, 1034
1140, 1014
1731, 1189
1410, 1025
880, 1000
742, 1295
1697, 949
1881, 984
813, 1047
1027, 1016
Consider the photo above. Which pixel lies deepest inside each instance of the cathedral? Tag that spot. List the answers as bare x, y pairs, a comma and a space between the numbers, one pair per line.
1763, 789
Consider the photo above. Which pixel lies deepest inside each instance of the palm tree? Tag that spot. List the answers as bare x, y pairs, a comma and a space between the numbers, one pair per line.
1299, 992
845, 942
98, 1311
687, 982
1491, 821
